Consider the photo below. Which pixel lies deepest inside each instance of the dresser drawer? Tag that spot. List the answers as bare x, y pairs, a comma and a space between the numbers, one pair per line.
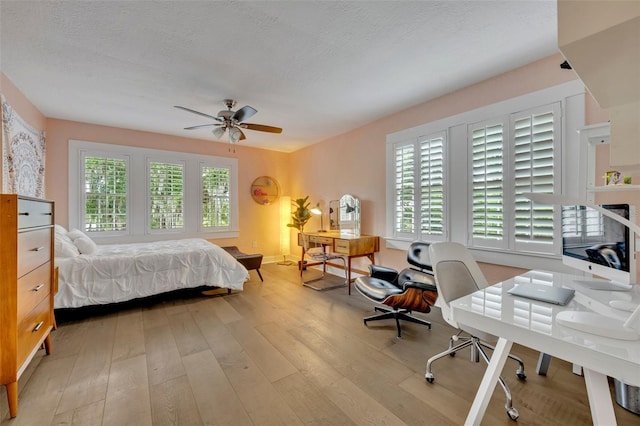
341, 246
317, 239
32, 329
34, 249
32, 213
33, 288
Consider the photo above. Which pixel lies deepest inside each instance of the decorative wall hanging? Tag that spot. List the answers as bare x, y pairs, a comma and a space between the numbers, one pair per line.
265, 190
23, 155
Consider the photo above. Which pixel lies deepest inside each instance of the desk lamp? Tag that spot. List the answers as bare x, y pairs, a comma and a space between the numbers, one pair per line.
318, 211
591, 322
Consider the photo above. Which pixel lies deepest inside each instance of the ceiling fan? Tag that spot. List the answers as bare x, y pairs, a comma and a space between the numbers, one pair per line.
233, 121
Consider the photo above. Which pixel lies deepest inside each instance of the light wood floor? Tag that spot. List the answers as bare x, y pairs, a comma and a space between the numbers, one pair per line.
275, 354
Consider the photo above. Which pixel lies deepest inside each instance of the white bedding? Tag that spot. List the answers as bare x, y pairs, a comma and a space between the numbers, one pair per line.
120, 272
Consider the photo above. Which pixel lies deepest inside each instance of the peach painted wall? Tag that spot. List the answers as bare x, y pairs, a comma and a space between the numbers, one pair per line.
258, 223
354, 162
23, 107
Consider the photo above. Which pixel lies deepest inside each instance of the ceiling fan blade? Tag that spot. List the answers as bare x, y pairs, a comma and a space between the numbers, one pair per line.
200, 126
198, 112
261, 128
244, 113
242, 136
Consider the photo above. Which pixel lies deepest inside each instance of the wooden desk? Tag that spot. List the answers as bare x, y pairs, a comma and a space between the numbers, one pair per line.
345, 244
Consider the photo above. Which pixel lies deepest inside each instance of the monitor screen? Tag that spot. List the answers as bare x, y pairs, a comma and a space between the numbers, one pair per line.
595, 243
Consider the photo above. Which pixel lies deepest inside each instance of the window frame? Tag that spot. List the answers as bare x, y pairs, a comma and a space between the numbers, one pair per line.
416, 145
83, 154
571, 96
182, 165
208, 164
138, 225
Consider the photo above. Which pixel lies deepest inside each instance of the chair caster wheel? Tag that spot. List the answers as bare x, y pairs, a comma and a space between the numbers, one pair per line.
429, 377
521, 376
452, 354
513, 413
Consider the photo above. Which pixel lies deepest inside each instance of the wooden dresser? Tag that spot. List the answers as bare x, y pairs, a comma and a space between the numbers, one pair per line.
26, 286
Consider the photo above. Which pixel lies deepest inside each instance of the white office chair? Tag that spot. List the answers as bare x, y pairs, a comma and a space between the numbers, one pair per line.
317, 253
457, 275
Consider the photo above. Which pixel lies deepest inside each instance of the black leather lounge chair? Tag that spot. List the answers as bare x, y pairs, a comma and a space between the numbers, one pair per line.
411, 290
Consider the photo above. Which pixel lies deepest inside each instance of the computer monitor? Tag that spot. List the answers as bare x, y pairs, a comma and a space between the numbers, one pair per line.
595, 243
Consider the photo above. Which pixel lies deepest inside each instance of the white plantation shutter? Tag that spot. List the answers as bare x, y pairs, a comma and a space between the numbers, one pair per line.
215, 196
419, 188
405, 197
104, 199
534, 141
432, 201
166, 196
487, 186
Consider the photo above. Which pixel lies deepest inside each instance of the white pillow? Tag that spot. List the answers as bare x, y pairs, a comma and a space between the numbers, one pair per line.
60, 229
64, 247
76, 233
85, 245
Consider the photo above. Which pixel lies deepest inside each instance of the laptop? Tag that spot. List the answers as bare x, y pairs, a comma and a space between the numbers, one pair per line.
543, 293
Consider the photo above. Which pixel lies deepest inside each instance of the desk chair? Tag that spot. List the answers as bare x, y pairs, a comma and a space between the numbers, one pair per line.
457, 275
413, 289
318, 254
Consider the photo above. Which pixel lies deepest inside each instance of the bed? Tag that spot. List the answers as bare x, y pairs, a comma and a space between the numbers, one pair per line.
91, 274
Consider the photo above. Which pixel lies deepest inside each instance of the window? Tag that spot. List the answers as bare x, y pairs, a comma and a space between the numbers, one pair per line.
166, 195
536, 149
462, 178
124, 194
105, 194
419, 184
405, 189
215, 197
432, 186
506, 163
487, 178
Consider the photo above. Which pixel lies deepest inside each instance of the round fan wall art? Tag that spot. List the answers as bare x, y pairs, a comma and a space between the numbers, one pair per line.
265, 190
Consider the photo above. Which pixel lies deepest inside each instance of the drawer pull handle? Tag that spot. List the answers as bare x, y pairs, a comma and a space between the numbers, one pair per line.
23, 214
38, 249
37, 327
48, 214
38, 287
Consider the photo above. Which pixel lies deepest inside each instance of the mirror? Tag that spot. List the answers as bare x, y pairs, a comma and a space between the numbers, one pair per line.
349, 215
334, 215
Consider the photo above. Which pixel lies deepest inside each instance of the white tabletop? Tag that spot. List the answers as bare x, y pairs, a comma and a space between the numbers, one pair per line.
531, 323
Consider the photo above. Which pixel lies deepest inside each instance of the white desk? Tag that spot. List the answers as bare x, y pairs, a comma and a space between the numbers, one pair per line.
532, 324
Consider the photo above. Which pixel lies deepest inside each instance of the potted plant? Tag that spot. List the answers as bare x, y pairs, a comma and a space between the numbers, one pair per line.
301, 213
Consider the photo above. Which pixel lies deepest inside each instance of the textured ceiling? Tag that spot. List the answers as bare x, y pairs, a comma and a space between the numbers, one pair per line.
315, 68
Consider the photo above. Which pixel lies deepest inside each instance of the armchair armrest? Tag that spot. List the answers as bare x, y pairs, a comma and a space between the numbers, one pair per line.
383, 273
427, 293
419, 285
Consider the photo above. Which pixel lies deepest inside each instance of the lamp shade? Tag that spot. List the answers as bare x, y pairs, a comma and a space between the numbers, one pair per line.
234, 134
285, 217
218, 132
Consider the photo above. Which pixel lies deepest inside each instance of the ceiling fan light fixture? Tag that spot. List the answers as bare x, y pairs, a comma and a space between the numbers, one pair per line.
234, 135
218, 132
